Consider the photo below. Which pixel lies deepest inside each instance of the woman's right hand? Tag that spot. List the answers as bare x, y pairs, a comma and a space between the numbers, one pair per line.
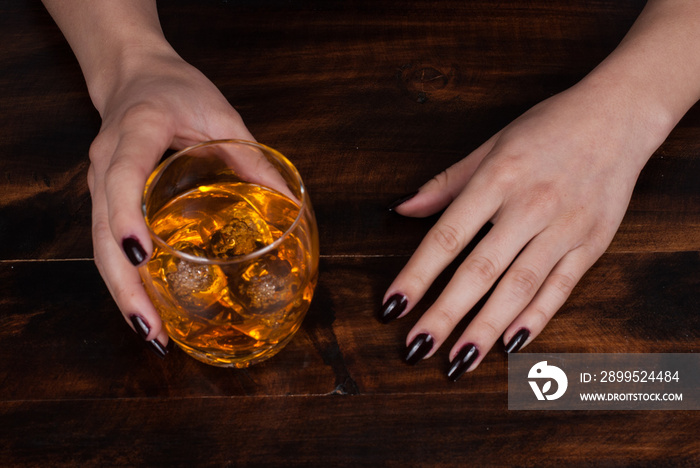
158, 102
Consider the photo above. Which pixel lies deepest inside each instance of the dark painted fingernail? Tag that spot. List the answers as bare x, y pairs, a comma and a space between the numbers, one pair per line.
142, 329
401, 200
392, 308
518, 341
133, 250
158, 348
464, 359
419, 348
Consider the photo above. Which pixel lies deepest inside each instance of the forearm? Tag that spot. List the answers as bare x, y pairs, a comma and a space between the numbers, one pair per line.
655, 71
109, 38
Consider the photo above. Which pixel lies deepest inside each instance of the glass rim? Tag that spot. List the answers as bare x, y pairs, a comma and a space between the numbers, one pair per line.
156, 174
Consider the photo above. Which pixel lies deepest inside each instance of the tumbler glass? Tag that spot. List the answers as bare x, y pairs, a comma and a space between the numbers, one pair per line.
235, 259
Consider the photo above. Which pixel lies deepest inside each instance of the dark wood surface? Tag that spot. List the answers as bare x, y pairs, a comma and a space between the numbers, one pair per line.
369, 99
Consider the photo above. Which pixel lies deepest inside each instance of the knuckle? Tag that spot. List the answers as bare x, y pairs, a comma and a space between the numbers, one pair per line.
524, 283
485, 269
599, 239
540, 317
544, 197
503, 171
490, 328
101, 232
448, 237
416, 280
119, 172
442, 180
116, 169
142, 113
447, 317
506, 176
98, 148
563, 284
144, 118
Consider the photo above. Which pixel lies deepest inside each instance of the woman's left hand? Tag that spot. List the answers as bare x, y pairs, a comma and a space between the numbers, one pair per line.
555, 184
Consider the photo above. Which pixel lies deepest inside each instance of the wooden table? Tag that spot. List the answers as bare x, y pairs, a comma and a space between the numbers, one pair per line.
369, 99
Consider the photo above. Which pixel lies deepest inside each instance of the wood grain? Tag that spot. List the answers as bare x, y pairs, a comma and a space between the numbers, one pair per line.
640, 304
369, 100
361, 430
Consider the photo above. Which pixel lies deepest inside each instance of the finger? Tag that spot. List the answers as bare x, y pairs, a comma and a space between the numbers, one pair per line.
445, 240
515, 291
442, 189
134, 158
251, 164
122, 279
226, 124
554, 292
472, 280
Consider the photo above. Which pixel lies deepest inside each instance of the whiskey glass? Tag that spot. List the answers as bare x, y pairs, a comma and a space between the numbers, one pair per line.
235, 250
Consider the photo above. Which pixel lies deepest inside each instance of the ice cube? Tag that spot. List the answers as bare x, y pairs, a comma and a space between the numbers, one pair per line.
193, 285
244, 233
268, 284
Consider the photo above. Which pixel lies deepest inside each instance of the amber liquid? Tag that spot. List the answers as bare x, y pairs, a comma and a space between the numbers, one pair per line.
244, 303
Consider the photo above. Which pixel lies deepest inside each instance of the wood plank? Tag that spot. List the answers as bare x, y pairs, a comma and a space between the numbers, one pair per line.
344, 431
369, 99
59, 319
382, 145
55, 220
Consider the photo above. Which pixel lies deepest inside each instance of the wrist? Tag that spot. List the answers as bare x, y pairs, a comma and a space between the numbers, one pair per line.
127, 59
631, 108
110, 39
653, 72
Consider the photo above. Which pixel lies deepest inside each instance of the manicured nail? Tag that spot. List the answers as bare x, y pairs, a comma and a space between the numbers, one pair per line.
518, 341
464, 359
419, 348
133, 250
142, 329
392, 308
401, 200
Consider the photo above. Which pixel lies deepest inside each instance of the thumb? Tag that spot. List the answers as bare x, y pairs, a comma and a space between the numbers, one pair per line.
436, 194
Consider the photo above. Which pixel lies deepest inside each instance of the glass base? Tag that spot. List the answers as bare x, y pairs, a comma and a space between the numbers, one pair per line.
237, 361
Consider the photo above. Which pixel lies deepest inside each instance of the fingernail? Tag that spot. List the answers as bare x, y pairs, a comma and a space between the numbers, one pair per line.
517, 341
419, 348
392, 308
401, 200
142, 329
464, 359
133, 250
